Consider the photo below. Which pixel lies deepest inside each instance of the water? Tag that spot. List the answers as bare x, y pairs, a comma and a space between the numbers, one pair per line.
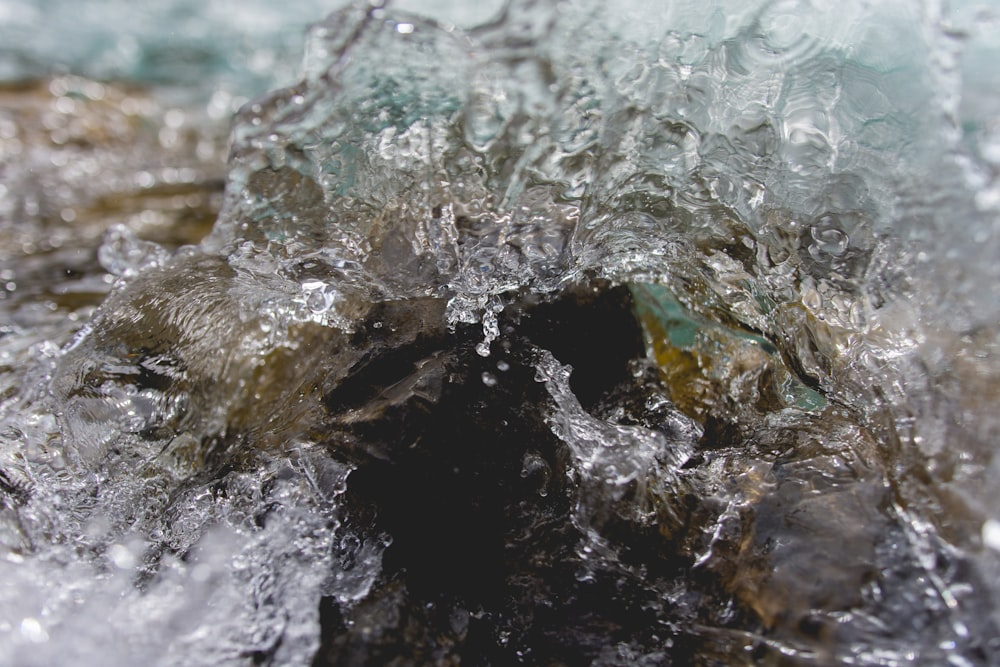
578, 335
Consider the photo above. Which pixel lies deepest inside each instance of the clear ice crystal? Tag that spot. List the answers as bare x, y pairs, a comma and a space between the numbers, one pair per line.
615, 459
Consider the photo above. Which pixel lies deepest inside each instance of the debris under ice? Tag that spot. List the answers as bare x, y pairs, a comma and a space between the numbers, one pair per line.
578, 335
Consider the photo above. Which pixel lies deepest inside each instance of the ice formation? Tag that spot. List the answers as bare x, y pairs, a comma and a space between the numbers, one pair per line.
596, 333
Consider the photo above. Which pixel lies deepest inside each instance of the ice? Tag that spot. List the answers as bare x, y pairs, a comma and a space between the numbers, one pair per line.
602, 333
123, 254
613, 457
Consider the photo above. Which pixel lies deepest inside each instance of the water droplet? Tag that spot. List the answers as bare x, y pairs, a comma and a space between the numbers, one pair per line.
828, 240
316, 302
991, 534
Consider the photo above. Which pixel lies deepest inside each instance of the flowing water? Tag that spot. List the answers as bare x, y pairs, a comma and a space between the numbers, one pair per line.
561, 333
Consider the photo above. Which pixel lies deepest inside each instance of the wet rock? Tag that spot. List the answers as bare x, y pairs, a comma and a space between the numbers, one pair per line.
457, 465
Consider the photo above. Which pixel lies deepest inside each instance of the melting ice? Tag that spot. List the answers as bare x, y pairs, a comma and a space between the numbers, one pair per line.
582, 334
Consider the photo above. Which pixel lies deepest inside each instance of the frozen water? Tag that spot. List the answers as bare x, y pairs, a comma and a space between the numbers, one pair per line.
801, 198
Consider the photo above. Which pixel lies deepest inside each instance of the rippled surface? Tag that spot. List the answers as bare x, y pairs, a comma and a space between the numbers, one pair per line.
632, 335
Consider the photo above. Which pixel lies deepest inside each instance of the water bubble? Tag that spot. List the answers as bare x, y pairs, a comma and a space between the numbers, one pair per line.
316, 302
788, 31
828, 240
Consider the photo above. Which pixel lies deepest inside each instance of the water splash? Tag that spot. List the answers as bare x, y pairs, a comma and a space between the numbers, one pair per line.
800, 470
